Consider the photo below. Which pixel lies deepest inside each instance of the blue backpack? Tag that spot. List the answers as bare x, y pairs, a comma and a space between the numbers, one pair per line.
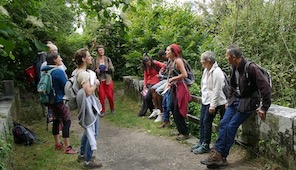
47, 94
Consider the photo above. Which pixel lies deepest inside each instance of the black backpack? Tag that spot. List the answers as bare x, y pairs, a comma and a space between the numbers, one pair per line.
265, 72
226, 87
40, 58
190, 79
22, 135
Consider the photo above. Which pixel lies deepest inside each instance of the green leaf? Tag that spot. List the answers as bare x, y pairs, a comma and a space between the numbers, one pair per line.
40, 46
8, 44
11, 56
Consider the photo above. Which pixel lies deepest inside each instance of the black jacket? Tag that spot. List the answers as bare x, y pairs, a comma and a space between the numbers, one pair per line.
255, 87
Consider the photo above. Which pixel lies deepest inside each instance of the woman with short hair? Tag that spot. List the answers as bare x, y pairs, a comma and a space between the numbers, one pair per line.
213, 100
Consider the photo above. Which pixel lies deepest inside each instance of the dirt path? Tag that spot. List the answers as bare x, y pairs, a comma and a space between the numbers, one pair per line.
132, 149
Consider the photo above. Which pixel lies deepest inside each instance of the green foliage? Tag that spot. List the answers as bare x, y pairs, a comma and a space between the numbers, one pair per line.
265, 32
274, 150
5, 148
153, 30
23, 28
263, 29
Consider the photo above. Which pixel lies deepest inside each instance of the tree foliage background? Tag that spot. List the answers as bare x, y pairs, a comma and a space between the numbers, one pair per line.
264, 29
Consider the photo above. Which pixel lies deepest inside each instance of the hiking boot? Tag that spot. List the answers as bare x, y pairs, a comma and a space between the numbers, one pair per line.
164, 124
92, 165
59, 146
182, 137
204, 148
154, 113
195, 146
69, 150
214, 158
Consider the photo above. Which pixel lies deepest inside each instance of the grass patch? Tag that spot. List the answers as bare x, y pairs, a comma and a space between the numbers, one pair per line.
40, 155
127, 115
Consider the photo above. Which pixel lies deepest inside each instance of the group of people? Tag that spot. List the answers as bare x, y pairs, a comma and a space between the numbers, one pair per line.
165, 84
97, 79
166, 93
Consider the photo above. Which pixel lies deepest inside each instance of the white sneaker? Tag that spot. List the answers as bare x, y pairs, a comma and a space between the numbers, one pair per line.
154, 113
159, 118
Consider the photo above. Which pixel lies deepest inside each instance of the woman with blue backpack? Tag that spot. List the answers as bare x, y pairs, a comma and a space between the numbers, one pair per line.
61, 112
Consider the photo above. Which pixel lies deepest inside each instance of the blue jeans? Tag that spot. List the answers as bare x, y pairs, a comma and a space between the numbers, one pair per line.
206, 120
228, 128
166, 112
85, 148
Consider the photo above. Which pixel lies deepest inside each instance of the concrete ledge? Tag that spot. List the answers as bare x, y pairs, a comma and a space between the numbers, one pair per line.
9, 107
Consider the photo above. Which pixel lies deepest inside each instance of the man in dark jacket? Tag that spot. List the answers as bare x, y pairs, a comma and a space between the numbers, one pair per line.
245, 96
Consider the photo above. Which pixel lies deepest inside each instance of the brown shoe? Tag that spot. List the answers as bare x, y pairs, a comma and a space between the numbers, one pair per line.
164, 124
182, 137
225, 162
214, 158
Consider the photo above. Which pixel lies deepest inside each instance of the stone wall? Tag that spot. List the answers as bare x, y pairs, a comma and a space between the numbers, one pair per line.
9, 107
274, 138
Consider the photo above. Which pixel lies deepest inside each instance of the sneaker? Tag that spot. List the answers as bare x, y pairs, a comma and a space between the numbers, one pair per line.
113, 111
214, 158
49, 119
204, 148
59, 146
102, 114
195, 146
154, 113
92, 165
69, 150
159, 118
182, 137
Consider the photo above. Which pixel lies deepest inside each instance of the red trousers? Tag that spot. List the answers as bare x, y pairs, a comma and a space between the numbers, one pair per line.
106, 90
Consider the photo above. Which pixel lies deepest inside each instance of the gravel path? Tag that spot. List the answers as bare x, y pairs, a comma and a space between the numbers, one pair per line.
132, 149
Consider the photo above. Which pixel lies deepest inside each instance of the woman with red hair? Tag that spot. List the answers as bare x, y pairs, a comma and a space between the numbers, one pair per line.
179, 90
